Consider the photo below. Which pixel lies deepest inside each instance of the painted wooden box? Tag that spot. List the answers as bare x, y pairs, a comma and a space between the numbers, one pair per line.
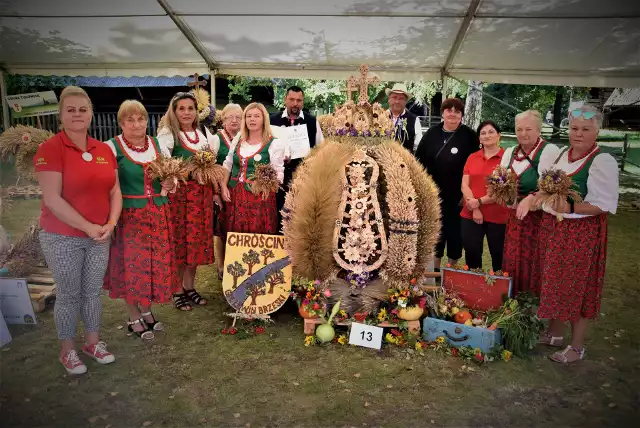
459, 334
479, 291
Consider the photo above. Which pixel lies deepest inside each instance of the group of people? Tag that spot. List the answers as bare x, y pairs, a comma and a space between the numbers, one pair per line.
107, 224
555, 252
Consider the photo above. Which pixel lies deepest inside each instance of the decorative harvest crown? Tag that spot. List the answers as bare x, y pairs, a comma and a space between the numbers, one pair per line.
361, 119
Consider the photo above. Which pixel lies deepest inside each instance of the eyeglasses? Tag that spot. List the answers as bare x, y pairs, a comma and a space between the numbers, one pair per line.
577, 113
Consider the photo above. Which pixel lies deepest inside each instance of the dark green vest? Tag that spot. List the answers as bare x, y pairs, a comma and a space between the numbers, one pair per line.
134, 182
243, 168
528, 180
581, 175
180, 151
225, 146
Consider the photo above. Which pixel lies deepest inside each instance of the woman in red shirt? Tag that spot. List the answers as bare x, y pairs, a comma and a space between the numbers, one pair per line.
480, 215
81, 204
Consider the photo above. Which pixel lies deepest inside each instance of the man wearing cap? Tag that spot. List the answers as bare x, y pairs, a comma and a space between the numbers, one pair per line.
408, 129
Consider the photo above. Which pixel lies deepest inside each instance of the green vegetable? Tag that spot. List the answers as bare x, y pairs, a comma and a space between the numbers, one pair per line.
325, 332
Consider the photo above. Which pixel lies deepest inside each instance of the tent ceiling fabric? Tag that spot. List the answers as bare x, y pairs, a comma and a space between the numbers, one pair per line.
578, 42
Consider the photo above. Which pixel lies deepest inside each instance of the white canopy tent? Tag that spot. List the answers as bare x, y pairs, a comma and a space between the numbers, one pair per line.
560, 42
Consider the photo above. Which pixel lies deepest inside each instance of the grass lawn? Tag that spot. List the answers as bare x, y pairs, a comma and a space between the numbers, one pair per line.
191, 375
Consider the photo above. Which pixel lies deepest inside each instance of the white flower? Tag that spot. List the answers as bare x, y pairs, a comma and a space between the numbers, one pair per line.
351, 254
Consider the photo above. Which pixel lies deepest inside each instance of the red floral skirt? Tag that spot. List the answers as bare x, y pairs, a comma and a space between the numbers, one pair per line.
192, 222
142, 267
521, 254
248, 213
573, 257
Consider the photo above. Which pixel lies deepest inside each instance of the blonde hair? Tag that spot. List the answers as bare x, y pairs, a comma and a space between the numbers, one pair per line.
533, 114
72, 91
131, 107
266, 124
170, 120
597, 119
228, 108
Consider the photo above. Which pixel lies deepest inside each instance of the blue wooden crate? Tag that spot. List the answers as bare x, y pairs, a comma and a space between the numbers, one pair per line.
460, 335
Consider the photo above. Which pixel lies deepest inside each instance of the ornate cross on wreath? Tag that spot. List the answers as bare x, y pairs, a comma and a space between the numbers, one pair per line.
362, 83
197, 82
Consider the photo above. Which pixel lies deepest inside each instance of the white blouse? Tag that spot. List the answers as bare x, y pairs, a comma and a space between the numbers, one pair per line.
165, 138
215, 142
277, 154
142, 157
549, 154
602, 184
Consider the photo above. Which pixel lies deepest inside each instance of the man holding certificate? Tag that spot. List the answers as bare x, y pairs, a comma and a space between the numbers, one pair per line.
302, 132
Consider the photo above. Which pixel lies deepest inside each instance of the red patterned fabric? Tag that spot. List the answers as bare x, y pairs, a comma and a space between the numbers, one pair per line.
521, 255
248, 213
192, 221
573, 257
142, 267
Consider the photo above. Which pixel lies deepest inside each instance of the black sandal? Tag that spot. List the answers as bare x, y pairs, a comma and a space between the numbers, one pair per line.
181, 303
155, 325
195, 297
145, 334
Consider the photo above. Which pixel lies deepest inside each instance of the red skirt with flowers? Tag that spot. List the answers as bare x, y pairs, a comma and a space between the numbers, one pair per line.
521, 255
573, 257
192, 220
248, 213
142, 267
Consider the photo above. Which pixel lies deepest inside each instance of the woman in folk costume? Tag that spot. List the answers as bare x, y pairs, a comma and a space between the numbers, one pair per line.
521, 243
249, 212
192, 204
222, 141
573, 252
142, 268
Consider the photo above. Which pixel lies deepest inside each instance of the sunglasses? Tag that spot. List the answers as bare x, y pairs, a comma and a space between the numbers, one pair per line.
182, 95
577, 113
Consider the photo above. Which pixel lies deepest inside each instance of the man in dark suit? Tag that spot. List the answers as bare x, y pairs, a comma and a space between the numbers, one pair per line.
293, 115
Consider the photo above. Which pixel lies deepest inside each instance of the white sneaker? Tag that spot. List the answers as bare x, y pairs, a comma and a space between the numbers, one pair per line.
98, 351
72, 363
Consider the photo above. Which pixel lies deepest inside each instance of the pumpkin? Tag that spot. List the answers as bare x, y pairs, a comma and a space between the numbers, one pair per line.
462, 316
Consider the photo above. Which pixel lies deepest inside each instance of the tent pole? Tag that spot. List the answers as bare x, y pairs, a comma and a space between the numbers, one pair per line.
6, 121
212, 84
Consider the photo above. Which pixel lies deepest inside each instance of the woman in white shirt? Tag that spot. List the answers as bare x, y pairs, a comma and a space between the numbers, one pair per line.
191, 206
573, 251
247, 212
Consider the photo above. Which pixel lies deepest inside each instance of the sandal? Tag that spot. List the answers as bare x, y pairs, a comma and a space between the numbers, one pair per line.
145, 334
155, 325
195, 297
561, 356
180, 302
547, 339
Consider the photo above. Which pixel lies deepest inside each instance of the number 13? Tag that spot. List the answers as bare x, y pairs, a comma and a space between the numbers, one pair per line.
369, 336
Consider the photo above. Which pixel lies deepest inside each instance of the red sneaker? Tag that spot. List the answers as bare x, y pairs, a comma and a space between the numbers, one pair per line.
72, 363
98, 351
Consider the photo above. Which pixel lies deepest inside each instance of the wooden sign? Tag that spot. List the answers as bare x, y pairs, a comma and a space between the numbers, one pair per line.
257, 277
479, 291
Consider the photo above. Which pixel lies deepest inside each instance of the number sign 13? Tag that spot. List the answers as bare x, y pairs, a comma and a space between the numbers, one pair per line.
365, 335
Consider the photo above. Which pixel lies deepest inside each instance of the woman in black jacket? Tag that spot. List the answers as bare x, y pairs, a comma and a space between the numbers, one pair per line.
443, 151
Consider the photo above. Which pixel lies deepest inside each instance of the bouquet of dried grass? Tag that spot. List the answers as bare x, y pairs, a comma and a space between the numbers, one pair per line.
26, 254
204, 170
265, 180
555, 187
167, 169
502, 185
22, 142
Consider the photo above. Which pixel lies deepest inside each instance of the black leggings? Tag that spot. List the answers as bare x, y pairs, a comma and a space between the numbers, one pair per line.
473, 240
450, 233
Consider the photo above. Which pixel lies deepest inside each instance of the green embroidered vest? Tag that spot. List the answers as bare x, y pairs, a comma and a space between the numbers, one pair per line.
179, 150
134, 182
581, 175
528, 180
225, 146
243, 168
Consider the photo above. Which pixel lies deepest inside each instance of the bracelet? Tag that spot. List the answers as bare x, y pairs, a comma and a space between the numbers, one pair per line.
113, 223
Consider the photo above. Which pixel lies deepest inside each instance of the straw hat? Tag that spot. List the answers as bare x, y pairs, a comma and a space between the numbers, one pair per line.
399, 88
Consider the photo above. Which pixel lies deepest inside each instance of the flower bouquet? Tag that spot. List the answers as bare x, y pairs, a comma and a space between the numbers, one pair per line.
202, 167
167, 169
502, 185
555, 187
265, 180
311, 297
409, 302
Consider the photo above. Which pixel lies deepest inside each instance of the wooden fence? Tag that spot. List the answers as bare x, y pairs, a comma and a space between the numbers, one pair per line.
103, 126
